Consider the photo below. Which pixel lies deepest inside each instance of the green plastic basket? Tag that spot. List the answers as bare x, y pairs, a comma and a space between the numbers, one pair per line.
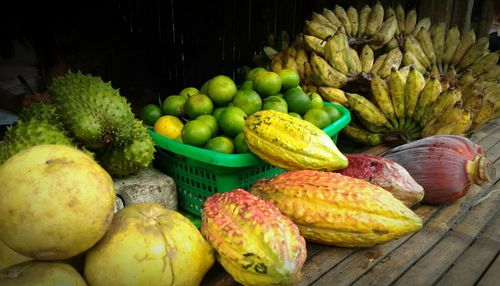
200, 173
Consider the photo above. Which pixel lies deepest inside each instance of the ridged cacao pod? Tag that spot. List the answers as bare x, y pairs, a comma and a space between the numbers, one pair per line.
291, 143
255, 243
330, 208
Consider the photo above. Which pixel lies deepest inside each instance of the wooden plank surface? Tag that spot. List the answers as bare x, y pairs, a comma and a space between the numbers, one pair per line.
442, 252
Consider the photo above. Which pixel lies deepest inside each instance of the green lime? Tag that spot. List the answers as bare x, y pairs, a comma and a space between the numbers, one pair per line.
289, 78
174, 105
197, 105
221, 90
211, 121
298, 101
196, 133
317, 116
150, 113
333, 112
246, 85
267, 83
275, 103
220, 144
232, 121
296, 115
248, 100
240, 146
316, 100
189, 91
217, 112
204, 87
253, 72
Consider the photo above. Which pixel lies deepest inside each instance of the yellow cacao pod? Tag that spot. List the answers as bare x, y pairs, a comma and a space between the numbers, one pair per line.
330, 208
291, 143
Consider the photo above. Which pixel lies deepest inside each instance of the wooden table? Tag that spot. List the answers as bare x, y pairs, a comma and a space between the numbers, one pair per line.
458, 245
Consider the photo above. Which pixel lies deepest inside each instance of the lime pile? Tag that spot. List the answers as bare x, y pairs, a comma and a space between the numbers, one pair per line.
213, 117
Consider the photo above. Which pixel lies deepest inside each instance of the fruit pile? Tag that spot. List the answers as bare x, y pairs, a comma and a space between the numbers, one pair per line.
395, 64
89, 113
214, 116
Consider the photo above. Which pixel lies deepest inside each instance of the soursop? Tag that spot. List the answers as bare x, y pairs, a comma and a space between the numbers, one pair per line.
92, 110
40, 112
30, 133
124, 160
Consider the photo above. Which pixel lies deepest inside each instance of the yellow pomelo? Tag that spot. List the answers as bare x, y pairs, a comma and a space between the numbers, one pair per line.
149, 245
9, 257
56, 202
41, 273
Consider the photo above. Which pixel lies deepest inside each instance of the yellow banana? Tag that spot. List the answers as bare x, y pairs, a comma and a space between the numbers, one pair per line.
450, 46
291, 51
484, 114
371, 127
380, 92
316, 17
485, 63
465, 43
473, 104
471, 90
400, 16
334, 56
424, 23
308, 74
492, 74
479, 49
318, 30
352, 15
438, 38
466, 78
427, 97
301, 58
367, 110
314, 44
331, 17
375, 19
392, 44
277, 62
424, 38
367, 59
389, 12
363, 20
404, 71
324, 74
332, 94
451, 76
343, 43
393, 60
415, 83
363, 136
409, 59
463, 123
356, 61
378, 64
342, 16
410, 21
444, 102
385, 33
411, 44
397, 85
444, 124
290, 63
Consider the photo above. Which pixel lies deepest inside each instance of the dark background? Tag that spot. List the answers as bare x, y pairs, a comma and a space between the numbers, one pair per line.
152, 49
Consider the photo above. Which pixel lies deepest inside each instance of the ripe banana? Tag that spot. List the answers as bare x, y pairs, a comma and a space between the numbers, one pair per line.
324, 74
415, 83
314, 44
352, 15
466, 78
367, 110
316, 17
389, 12
438, 38
444, 102
444, 124
424, 23
380, 92
318, 30
485, 63
492, 74
410, 21
484, 114
450, 46
277, 62
427, 97
334, 55
424, 38
393, 60
332, 94
404, 71
411, 44
392, 44
375, 19
465, 43
385, 33
397, 85
400, 16
330, 15
479, 49
473, 104
378, 64
362, 136
342, 16
343, 43
372, 127
301, 58
356, 61
409, 59
463, 123
367, 59
290, 63
363, 20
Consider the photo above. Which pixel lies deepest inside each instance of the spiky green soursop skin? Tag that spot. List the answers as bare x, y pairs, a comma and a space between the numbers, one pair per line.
92, 109
27, 134
127, 159
41, 112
